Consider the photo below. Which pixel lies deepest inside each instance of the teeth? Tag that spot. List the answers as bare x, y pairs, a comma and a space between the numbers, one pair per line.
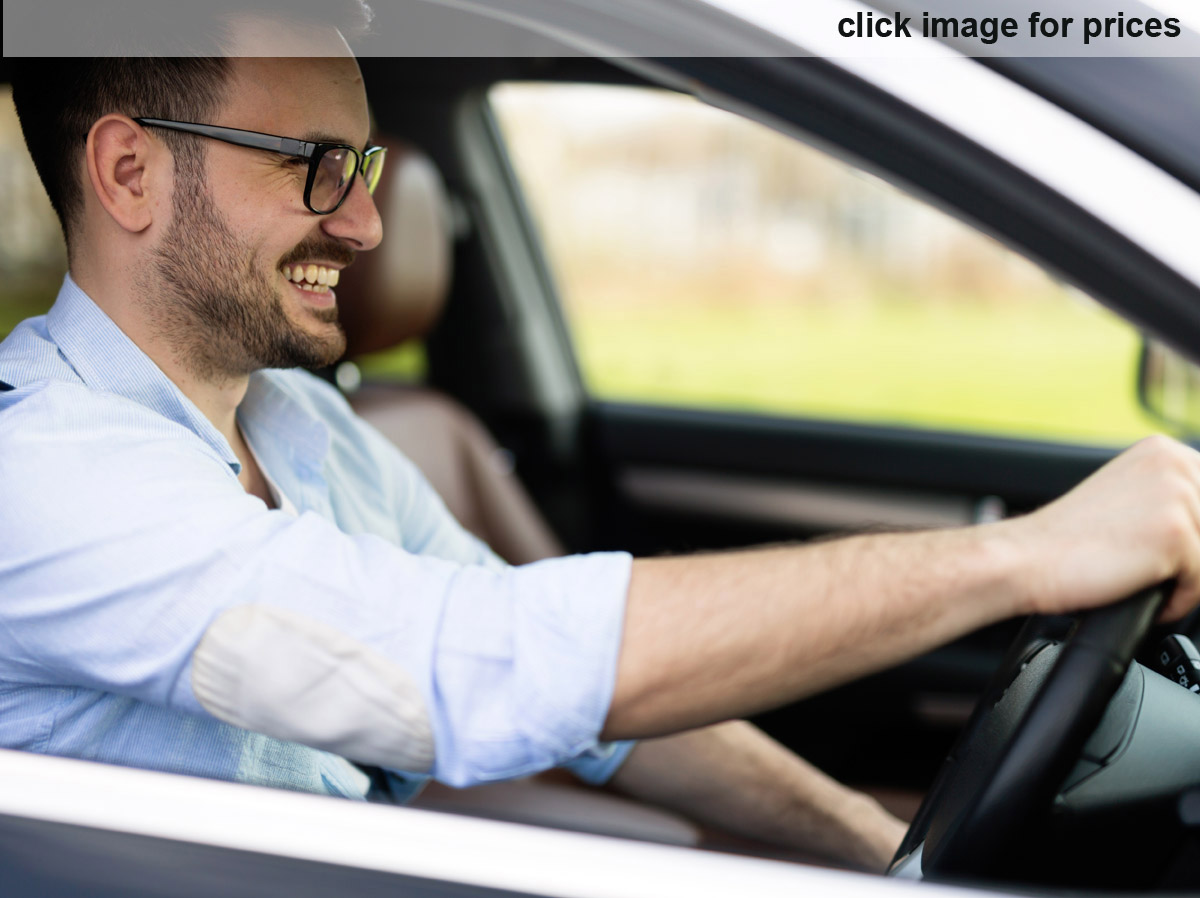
311, 275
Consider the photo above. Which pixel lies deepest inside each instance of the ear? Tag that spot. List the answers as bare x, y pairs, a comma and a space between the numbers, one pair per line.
124, 167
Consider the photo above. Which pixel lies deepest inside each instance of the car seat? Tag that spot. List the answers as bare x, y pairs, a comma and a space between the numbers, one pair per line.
396, 294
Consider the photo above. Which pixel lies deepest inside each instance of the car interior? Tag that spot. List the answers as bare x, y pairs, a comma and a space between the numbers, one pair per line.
579, 472
598, 474
464, 351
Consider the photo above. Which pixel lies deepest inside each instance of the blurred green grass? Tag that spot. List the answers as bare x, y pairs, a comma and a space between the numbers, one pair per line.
1059, 369
21, 301
405, 363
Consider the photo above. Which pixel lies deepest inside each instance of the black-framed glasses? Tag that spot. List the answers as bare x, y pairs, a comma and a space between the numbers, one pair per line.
331, 166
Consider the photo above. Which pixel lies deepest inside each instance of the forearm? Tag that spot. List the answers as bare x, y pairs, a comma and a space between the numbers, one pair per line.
708, 638
735, 778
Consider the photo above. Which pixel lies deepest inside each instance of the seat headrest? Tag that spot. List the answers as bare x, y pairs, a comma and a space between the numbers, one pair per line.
396, 292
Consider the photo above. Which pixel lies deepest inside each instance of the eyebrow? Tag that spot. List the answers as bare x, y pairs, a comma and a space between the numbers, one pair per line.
322, 137
326, 137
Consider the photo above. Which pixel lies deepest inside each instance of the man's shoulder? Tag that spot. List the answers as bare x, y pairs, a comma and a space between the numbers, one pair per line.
28, 355
69, 408
70, 454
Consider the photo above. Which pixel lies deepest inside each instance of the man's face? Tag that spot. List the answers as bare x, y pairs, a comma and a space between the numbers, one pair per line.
227, 307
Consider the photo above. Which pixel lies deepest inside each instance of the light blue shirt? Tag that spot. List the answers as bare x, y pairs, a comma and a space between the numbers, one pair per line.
126, 533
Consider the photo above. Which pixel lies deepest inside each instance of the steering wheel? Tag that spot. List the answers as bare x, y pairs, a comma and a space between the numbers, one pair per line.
1022, 740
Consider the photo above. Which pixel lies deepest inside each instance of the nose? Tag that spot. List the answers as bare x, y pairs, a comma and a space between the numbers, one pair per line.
356, 221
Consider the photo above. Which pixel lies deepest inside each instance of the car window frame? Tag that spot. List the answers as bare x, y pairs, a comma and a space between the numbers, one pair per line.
923, 156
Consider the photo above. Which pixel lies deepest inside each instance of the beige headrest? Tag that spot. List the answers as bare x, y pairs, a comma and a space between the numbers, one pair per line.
396, 292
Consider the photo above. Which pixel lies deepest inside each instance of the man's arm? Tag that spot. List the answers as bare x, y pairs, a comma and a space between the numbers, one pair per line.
708, 638
735, 778
283, 626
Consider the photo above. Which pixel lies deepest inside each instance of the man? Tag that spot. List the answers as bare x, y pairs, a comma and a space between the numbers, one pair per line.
213, 568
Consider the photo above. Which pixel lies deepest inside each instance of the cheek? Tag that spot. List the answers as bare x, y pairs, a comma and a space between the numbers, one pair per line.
259, 189
162, 209
284, 183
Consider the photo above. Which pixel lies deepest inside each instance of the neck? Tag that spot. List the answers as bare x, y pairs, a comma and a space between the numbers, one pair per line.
217, 399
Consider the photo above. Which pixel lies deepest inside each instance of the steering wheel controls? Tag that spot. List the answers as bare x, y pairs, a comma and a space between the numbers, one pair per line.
1178, 659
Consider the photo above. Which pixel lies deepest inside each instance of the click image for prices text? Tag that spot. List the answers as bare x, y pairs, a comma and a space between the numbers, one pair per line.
989, 30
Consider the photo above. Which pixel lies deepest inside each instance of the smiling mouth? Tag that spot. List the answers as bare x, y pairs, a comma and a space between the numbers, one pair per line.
313, 278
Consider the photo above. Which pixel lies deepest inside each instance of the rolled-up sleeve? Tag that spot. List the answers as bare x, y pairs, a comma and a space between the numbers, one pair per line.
130, 549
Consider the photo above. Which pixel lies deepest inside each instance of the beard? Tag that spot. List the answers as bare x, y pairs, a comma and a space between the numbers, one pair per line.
219, 311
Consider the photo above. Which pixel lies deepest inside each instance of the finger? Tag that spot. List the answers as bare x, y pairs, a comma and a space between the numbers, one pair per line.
1187, 592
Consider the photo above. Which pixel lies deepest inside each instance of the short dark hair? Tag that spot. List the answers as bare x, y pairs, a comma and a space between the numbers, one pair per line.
59, 99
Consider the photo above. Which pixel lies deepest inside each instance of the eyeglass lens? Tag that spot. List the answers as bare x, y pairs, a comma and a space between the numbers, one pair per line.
335, 172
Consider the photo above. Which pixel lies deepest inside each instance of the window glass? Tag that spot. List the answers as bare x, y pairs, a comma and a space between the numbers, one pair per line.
33, 257
705, 260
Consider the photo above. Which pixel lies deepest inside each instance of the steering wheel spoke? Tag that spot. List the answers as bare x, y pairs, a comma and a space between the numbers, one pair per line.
1024, 737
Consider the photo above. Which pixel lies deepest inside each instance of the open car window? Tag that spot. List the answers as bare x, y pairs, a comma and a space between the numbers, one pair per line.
706, 261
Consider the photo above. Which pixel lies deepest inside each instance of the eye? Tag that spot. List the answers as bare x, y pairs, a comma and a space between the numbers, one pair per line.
295, 161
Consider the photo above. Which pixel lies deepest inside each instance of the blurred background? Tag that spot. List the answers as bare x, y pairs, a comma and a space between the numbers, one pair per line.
704, 259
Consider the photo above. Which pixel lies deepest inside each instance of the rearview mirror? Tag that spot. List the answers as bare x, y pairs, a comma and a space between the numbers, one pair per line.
1169, 388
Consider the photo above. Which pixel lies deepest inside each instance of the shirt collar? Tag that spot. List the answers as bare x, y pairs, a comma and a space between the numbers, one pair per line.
107, 360
286, 436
